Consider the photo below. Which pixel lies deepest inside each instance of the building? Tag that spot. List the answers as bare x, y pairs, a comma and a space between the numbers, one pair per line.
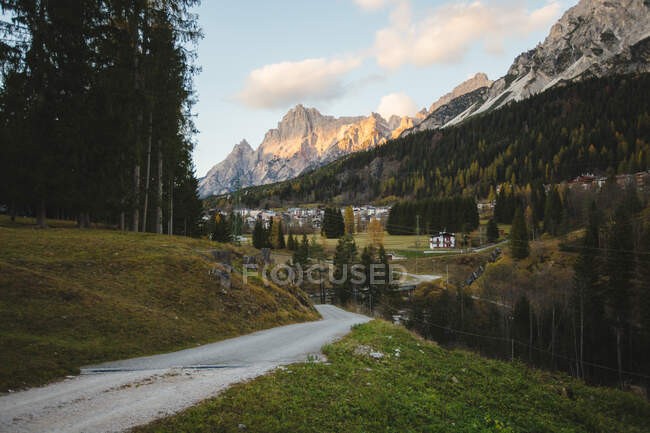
442, 240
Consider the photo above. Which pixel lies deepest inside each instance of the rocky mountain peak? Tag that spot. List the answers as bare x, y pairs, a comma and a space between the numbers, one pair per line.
243, 147
476, 82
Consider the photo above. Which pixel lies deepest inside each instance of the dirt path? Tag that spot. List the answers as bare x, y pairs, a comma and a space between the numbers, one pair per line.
116, 396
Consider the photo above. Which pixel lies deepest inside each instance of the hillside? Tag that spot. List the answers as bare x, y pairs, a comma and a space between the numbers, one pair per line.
597, 124
72, 297
415, 386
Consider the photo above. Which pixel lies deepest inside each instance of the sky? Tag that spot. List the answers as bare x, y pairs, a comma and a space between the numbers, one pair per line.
260, 58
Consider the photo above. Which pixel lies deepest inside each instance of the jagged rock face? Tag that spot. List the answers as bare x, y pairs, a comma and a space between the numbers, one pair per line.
479, 80
237, 165
593, 39
446, 113
304, 139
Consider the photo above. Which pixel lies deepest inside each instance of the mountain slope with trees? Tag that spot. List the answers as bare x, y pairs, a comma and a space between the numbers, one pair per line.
596, 125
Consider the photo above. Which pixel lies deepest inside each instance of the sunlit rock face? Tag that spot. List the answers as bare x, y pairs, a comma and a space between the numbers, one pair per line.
303, 139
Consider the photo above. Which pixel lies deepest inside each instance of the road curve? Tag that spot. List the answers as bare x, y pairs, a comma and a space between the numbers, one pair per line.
116, 396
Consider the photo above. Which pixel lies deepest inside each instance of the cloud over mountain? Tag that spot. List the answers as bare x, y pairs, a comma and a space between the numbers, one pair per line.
398, 104
281, 84
447, 33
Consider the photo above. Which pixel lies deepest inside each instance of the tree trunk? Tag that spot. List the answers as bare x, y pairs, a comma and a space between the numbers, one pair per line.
159, 213
582, 335
619, 356
553, 339
146, 182
122, 221
41, 218
530, 332
170, 228
12, 212
136, 197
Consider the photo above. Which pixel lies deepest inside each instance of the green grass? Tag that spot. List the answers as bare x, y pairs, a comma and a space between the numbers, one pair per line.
425, 389
70, 298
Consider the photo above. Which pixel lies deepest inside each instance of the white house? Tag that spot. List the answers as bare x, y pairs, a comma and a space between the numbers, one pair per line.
442, 240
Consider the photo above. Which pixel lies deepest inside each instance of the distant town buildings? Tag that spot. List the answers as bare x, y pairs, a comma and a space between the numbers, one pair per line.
308, 219
640, 180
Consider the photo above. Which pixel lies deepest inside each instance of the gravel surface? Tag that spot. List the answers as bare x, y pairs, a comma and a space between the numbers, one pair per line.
116, 396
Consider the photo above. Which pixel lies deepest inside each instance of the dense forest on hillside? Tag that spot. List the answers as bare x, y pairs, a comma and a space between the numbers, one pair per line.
596, 125
449, 214
577, 303
95, 112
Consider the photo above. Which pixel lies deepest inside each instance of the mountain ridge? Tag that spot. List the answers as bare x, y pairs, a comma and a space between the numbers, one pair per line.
595, 38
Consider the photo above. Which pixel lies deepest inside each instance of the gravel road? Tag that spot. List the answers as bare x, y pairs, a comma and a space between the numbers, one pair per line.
116, 396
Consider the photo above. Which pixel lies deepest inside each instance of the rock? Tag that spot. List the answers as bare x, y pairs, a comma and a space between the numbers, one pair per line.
242, 427
222, 256
303, 139
368, 351
453, 379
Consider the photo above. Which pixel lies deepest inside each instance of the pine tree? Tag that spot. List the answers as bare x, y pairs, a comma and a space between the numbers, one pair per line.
345, 256
301, 256
259, 240
587, 298
281, 244
553, 212
620, 271
291, 242
519, 236
492, 231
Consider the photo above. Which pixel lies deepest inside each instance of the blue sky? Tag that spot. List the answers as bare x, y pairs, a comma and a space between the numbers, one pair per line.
260, 58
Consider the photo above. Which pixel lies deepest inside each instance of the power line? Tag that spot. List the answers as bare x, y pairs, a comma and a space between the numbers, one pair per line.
511, 340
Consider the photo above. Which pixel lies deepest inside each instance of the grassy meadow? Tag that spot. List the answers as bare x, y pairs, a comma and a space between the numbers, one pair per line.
71, 297
415, 386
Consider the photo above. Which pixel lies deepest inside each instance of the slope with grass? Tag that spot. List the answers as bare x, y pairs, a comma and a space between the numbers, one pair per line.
72, 297
415, 386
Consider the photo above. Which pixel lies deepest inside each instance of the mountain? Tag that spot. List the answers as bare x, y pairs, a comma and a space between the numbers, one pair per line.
595, 125
303, 139
595, 38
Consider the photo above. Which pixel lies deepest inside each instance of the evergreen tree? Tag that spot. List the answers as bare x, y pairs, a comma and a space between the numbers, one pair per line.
587, 297
519, 236
492, 231
301, 256
291, 242
553, 212
259, 234
345, 256
222, 229
620, 271
282, 243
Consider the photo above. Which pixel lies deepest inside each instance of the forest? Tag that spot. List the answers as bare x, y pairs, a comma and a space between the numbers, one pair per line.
95, 112
578, 302
598, 125
456, 214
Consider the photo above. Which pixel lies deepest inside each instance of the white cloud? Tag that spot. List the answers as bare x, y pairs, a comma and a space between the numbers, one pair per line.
446, 33
372, 4
286, 83
399, 104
